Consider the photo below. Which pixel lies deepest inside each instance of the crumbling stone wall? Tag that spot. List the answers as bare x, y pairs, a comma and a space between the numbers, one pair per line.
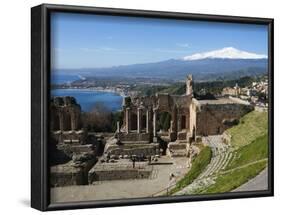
65, 114
71, 173
72, 152
65, 123
214, 117
101, 175
117, 171
135, 108
189, 117
151, 149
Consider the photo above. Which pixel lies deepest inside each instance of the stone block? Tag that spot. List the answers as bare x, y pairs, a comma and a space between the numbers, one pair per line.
70, 173
118, 171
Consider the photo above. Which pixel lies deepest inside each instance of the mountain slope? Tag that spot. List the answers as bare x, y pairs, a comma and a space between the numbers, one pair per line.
228, 63
225, 53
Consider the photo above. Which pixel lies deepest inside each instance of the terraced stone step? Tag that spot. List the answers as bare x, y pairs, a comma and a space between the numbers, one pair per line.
178, 149
221, 156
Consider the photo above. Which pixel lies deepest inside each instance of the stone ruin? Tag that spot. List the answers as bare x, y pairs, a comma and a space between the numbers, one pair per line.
190, 120
72, 151
138, 141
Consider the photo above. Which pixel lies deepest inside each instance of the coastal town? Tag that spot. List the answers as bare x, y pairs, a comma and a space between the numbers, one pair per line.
255, 92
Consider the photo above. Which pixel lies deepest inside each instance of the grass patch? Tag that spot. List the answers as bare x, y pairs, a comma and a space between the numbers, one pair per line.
254, 151
251, 126
250, 138
229, 181
198, 165
250, 141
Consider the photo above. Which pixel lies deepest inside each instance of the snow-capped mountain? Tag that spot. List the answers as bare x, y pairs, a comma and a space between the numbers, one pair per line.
225, 53
228, 63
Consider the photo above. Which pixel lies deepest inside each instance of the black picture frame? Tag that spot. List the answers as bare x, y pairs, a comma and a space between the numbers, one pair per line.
40, 82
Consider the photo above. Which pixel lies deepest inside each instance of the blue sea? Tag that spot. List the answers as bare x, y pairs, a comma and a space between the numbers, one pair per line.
88, 99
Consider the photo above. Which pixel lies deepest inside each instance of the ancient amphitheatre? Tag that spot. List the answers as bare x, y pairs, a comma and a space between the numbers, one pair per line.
199, 153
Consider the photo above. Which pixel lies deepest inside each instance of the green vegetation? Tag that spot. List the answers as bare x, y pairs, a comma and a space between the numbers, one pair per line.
215, 87
164, 121
250, 139
251, 126
198, 165
148, 91
100, 119
250, 145
201, 89
252, 152
176, 89
233, 179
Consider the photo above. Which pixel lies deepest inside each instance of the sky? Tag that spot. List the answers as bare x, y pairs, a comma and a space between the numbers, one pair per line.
93, 41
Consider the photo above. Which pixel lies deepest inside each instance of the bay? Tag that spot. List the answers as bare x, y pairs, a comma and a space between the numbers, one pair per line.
89, 99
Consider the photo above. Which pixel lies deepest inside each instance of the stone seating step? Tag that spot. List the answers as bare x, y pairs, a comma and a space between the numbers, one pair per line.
82, 148
177, 145
135, 142
227, 161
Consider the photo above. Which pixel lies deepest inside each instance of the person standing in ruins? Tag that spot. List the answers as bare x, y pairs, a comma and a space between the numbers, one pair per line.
172, 180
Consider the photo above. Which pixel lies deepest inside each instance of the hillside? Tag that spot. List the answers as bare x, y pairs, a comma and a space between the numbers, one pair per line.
250, 149
255, 151
251, 126
176, 69
211, 87
232, 164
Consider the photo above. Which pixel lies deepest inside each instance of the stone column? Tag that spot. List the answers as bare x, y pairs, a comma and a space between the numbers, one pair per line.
127, 116
154, 122
174, 121
139, 118
179, 122
147, 120
61, 118
73, 122
154, 126
171, 126
118, 127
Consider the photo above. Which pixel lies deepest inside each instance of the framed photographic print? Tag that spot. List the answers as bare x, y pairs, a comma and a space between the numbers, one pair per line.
142, 107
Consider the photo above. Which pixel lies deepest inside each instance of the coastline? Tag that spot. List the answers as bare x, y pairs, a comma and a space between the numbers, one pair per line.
98, 89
